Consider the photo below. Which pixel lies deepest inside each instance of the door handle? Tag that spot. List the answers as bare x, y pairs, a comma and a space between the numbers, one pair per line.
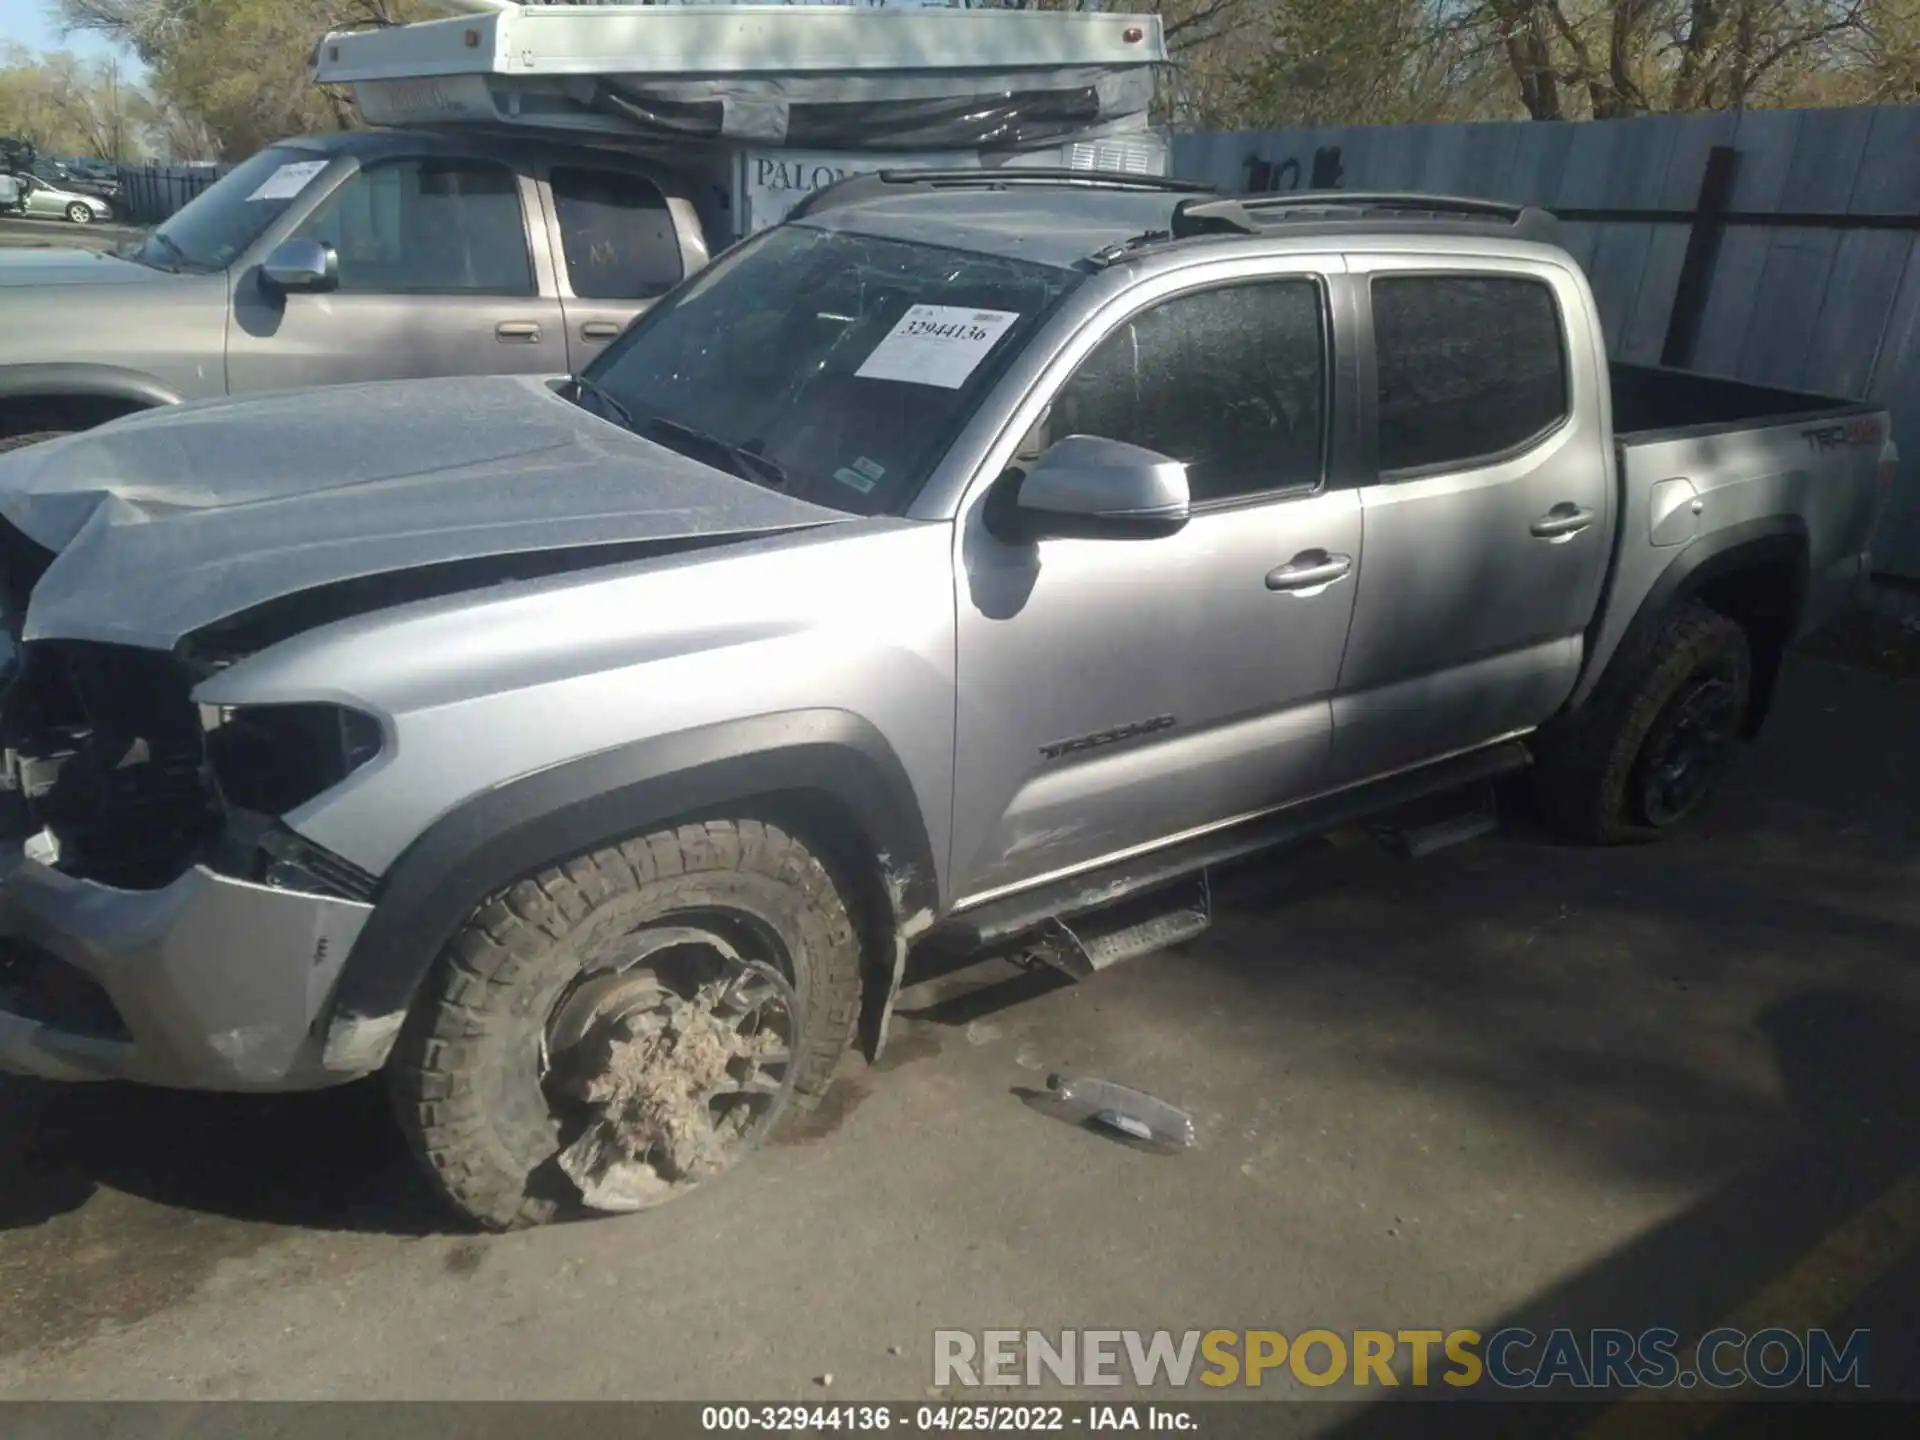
1310, 572
1562, 522
599, 330
517, 332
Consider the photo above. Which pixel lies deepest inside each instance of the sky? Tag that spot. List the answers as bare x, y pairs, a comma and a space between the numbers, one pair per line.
31, 23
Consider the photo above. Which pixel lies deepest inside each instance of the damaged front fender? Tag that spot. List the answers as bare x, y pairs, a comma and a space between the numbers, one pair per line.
512, 830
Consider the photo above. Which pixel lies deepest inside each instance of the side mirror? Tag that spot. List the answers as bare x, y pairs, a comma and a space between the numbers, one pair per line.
301, 265
1086, 488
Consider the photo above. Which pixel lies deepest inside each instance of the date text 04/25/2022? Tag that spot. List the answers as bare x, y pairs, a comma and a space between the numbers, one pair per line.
942, 1419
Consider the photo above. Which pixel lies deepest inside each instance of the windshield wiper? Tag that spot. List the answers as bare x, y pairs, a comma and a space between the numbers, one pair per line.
747, 463
616, 411
180, 263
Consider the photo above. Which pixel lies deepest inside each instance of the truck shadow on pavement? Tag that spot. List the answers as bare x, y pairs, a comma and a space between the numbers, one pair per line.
330, 1160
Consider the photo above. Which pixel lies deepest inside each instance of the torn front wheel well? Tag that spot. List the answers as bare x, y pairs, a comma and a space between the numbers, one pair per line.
892, 897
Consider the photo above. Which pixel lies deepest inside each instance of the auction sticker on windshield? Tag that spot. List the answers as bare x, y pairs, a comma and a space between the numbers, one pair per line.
288, 181
936, 345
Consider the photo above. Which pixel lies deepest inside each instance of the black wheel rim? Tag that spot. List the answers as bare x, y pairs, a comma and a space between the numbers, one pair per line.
665, 1068
1687, 749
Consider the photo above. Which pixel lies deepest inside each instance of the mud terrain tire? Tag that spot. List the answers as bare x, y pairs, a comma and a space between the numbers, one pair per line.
466, 1071
1593, 765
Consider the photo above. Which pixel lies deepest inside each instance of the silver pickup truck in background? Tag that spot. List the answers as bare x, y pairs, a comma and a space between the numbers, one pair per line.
969, 563
329, 259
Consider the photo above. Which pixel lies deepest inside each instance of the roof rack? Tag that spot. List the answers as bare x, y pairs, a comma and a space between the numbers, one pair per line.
1006, 177
1251, 214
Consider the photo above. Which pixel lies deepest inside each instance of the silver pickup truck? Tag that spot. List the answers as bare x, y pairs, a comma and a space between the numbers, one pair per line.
968, 564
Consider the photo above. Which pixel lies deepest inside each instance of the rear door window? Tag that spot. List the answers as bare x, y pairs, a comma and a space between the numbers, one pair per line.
617, 234
1471, 368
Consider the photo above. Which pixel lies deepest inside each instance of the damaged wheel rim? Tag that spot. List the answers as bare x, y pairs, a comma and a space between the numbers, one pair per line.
667, 1067
1688, 749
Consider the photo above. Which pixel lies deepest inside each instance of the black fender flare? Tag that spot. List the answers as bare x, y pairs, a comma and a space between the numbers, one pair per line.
96, 382
514, 829
1767, 541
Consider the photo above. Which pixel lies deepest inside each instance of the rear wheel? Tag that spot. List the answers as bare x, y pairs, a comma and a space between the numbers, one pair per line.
618, 1029
1643, 754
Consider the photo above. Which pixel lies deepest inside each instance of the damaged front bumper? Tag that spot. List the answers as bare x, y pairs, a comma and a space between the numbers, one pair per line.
209, 982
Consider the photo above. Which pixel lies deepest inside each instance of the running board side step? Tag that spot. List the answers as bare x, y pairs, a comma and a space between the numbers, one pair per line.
1427, 829
1136, 927
1010, 918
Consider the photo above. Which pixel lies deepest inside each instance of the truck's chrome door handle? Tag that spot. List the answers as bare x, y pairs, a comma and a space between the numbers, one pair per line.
1310, 572
599, 330
522, 332
1562, 522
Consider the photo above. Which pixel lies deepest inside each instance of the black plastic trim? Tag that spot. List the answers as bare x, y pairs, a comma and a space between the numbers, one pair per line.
571, 809
1749, 544
854, 189
94, 382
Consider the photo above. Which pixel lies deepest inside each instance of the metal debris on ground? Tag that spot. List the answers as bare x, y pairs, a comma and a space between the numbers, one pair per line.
1123, 1110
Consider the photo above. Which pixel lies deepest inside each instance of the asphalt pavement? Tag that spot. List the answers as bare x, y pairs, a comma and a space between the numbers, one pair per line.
1513, 1083
32, 232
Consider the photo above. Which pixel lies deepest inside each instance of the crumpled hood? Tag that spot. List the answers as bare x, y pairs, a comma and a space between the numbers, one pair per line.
168, 521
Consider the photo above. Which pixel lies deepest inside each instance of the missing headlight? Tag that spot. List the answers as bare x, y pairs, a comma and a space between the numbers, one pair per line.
275, 758
292, 862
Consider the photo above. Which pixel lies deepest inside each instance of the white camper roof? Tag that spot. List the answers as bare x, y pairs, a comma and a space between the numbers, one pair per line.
859, 76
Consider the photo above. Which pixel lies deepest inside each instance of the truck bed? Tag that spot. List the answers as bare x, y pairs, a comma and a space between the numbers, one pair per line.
1700, 456
1651, 402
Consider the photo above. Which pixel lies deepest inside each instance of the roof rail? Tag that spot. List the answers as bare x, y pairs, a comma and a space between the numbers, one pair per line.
1250, 214
1005, 177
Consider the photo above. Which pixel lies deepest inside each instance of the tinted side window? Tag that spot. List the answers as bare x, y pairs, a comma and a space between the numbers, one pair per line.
1469, 367
1232, 381
428, 227
618, 237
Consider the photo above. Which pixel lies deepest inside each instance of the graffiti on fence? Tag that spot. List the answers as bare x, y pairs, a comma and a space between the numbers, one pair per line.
1266, 176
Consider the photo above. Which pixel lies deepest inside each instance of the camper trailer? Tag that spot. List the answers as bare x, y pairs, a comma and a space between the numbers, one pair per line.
763, 104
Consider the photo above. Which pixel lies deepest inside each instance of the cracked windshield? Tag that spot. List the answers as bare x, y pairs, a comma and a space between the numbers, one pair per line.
832, 366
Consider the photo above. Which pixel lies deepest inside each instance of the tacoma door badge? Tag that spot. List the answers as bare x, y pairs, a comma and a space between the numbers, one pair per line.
1057, 748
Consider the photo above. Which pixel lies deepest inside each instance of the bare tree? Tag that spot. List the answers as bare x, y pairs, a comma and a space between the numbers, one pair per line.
102, 109
1574, 59
239, 68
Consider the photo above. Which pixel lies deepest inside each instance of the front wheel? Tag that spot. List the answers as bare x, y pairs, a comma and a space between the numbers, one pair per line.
1642, 755
620, 1028
80, 214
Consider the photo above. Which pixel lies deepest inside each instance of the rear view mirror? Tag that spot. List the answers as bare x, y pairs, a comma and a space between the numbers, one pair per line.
301, 265
1087, 488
